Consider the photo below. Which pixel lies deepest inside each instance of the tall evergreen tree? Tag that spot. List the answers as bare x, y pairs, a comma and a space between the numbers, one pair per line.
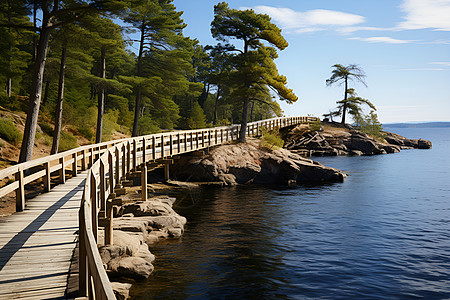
255, 62
342, 75
160, 27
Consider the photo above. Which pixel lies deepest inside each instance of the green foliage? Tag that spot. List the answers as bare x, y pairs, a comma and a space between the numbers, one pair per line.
110, 124
197, 119
46, 128
67, 141
2, 144
315, 126
271, 139
9, 132
370, 125
86, 132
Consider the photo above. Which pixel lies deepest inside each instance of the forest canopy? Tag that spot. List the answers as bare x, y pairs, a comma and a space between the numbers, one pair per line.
70, 64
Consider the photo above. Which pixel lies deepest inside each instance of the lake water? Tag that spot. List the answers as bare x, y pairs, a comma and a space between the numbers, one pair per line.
384, 233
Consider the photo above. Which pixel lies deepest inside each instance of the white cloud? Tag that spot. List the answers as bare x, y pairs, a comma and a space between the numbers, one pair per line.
311, 20
382, 39
426, 14
441, 63
423, 69
352, 29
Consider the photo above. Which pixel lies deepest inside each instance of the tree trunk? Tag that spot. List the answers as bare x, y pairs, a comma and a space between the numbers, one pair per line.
9, 82
243, 129
101, 98
215, 105
34, 54
251, 111
35, 95
59, 105
137, 106
344, 109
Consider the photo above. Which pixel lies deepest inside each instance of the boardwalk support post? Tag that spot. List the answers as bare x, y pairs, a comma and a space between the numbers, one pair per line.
47, 182
144, 182
20, 192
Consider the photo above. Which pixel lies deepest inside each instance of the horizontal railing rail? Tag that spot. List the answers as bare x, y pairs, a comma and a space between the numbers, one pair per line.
107, 164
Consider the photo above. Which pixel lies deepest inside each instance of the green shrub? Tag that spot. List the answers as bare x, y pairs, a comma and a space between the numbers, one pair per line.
9, 132
47, 140
46, 128
271, 139
370, 125
67, 141
2, 144
86, 132
316, 125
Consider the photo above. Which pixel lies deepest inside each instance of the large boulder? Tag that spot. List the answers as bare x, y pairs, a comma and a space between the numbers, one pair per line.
130, 267
396, 139
249, 162
128, 256
364, 144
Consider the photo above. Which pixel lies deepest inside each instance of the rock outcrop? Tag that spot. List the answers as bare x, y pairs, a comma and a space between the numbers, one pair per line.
344, 141
250, 163
138, 225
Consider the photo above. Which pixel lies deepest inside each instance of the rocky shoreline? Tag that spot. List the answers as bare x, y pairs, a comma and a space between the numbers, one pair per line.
137, 225
334, 140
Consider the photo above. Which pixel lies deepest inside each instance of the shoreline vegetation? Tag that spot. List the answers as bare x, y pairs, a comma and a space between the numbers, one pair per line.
140, 224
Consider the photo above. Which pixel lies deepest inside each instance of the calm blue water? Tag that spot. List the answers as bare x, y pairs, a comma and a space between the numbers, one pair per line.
382, 234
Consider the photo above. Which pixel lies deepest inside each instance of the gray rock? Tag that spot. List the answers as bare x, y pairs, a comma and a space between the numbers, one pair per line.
131, 267
121, 290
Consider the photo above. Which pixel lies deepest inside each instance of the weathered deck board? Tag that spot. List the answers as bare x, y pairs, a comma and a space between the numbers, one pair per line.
36, 245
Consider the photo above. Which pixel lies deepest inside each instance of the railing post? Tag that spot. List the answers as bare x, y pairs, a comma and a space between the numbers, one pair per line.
117, 177
62, 172
185, 142
143, 151
94, 206
162, 146
144, 182
47, 178
74, 164
102, 188
128, 156
20, 192
179, 143
153, 147
196, 143
82, 261
83, 160
124, 158
111, 172
91, 156
170, 145
134, 154
109, 225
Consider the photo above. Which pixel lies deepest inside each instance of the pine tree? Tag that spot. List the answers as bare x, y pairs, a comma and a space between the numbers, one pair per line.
255, 62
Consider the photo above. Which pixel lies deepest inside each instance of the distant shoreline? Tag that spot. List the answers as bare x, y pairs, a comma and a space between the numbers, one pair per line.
417, 125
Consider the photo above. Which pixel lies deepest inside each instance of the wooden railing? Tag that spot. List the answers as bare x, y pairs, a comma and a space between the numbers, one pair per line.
107, 164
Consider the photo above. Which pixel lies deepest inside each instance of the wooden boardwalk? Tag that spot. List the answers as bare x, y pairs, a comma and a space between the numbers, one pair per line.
36, 245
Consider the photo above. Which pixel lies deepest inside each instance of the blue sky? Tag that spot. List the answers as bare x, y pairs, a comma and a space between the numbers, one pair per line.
402, 45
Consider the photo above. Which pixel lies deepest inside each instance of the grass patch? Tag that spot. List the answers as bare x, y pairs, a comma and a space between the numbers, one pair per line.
271, 139
67, 141
9, 132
